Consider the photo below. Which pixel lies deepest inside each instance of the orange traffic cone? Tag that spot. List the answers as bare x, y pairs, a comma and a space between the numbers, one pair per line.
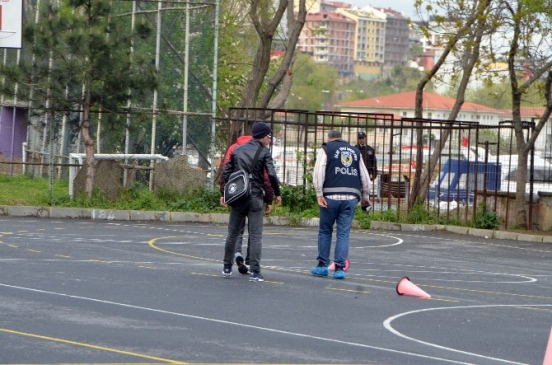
548, 353
405, 286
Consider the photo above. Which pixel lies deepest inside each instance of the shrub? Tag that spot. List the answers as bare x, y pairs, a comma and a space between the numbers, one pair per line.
298, 199
420, 215
485, 219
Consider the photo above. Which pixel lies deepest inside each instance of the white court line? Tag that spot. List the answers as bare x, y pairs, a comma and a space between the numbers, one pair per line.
387, 324
266, 329
494, 243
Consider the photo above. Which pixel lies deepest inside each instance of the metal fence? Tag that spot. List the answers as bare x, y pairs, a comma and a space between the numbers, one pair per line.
477, 162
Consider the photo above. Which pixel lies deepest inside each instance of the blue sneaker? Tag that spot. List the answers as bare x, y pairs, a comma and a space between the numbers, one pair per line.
339, 274
320, 271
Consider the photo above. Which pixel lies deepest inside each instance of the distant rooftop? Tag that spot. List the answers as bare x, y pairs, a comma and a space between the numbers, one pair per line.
407, 100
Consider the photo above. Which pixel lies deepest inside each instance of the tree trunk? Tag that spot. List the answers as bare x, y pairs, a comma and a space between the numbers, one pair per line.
417, 195
471, 57
266, 29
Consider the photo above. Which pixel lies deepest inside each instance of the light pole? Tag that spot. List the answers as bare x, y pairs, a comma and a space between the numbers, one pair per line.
326, 98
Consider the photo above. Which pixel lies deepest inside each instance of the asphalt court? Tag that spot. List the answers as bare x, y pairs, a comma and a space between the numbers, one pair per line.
83, 291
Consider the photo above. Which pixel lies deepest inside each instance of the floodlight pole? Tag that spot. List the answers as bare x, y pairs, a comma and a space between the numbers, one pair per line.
186, 69
214, 101
155, 91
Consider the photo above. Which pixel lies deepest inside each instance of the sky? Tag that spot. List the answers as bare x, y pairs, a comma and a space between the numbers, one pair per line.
404, 6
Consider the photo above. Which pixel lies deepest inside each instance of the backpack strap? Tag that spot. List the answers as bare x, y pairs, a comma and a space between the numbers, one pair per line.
256, 158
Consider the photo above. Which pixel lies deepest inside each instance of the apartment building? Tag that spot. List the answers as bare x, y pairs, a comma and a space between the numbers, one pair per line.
329, 37
397, 38
369, 48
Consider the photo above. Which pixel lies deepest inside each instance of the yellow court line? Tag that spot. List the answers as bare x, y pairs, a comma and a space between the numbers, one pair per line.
537, 309
102, 348
31, 250
218, 276
204, 274
349, 290
64, 256
151, 243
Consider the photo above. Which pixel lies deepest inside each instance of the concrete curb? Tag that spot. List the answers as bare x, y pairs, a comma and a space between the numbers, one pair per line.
223, 218
483, 233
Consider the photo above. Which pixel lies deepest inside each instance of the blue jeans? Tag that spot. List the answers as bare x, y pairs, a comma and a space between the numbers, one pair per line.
253, 210
341, 212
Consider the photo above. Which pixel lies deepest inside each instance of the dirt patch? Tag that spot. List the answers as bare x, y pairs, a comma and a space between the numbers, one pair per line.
8, 167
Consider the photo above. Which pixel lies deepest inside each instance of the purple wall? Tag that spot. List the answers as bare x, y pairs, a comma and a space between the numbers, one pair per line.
10, 142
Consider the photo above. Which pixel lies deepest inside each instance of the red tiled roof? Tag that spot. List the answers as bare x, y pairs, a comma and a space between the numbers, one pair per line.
407, 100
531, 111
526, 112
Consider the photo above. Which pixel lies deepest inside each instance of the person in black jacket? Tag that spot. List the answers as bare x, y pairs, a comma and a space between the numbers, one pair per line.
368, 155
243, 265
253, 206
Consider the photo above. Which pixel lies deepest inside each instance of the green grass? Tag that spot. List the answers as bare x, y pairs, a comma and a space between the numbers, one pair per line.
297, 203
24, 190
28, 191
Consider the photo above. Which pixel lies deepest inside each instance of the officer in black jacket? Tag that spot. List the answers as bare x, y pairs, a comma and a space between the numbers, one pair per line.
253, 207
368, 155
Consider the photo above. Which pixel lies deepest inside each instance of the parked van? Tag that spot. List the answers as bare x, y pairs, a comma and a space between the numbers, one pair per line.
457, 180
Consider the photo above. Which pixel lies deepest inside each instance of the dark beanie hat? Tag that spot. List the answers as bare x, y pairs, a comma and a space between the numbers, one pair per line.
260, 130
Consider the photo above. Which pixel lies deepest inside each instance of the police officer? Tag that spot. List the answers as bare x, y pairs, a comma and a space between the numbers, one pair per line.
368, 155
340, 180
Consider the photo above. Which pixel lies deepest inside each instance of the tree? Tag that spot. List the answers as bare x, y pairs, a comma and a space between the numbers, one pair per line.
517, 32
529, 24
398, 79
471, 22
81, 64
270, 91
313, 86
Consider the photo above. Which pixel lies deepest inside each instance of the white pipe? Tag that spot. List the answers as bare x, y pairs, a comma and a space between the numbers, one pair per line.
24, 156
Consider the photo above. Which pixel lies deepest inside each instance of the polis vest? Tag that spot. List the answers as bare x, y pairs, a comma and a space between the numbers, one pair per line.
342, 169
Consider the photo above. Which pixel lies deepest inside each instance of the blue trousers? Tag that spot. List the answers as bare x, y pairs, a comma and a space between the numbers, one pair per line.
341, 213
